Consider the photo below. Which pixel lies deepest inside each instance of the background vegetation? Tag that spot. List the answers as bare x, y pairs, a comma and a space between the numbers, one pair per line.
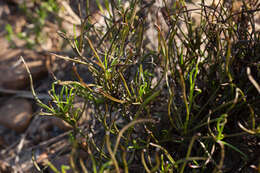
188, 104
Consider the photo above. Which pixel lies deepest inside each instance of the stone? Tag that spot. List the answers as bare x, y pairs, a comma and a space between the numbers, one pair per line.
16, 114
13, 70
78, 104
61, 124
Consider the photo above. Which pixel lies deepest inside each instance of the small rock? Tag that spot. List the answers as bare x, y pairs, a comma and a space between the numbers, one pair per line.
78, 104
64, 126
14, 72
16, 114
61, 124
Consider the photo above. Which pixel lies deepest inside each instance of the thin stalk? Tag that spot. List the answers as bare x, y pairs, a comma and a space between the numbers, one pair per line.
188, 152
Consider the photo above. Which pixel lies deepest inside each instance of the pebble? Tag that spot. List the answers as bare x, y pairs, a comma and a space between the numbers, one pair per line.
13, 73
16, 114
78, 104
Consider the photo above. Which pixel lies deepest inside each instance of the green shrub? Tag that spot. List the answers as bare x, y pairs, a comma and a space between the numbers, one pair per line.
188, 105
